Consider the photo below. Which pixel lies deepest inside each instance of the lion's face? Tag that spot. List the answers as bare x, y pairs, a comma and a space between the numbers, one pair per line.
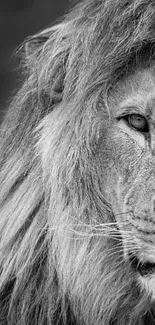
130, 176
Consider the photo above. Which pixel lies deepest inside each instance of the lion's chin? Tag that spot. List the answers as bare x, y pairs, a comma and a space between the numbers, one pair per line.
147, 283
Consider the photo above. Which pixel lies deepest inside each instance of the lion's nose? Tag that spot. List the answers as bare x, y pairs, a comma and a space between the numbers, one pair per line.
144, 268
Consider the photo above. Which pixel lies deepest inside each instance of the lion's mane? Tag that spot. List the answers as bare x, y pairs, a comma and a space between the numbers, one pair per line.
57, 266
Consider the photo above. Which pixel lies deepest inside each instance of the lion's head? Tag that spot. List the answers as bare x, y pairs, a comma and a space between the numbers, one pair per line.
130, 173
77, 195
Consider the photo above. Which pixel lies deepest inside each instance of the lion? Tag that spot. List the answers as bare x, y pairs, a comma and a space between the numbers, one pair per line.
77, 172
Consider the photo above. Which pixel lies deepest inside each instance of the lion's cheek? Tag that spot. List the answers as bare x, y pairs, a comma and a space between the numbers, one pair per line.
121, 159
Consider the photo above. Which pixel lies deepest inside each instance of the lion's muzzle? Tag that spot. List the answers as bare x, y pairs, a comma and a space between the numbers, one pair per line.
144, 268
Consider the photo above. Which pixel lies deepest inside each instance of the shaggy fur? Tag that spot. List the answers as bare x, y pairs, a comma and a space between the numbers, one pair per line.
57, 265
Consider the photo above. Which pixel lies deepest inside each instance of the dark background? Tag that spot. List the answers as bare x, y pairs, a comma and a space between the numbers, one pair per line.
19, 19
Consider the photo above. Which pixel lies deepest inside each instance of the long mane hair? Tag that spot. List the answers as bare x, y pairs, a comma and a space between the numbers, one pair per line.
58, 262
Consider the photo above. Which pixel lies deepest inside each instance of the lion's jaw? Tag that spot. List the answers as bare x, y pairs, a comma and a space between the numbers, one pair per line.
133, 187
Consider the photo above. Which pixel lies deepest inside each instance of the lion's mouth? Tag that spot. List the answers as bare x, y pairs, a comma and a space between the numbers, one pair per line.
144, 268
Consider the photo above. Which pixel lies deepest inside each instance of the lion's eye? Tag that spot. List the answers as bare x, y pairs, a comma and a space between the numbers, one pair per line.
138, 122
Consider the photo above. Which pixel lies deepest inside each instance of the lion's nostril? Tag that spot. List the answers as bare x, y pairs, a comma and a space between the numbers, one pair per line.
144, 268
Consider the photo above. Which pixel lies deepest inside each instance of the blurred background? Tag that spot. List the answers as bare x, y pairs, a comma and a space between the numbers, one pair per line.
19, 19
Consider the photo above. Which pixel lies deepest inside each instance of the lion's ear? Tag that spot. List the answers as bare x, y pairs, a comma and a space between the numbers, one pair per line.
34, 44
42, 58
45, 55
